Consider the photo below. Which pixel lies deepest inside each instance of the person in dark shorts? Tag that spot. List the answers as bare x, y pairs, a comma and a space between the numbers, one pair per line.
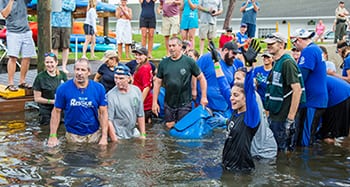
147, 24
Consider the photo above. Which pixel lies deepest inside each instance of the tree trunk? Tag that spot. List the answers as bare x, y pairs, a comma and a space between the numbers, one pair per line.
229, 13
44, 32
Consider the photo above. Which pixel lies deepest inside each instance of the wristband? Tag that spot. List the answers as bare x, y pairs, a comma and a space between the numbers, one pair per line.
217, 67
143, 134
53, 135
48, 101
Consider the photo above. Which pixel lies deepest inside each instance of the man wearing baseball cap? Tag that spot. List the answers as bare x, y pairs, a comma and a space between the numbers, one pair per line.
283, 92
314, 74
216, 100
125, 108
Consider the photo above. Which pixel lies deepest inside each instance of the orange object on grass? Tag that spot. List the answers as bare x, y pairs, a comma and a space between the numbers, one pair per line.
78, 29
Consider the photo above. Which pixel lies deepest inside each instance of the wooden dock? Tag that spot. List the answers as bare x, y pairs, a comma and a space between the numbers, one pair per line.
18, 104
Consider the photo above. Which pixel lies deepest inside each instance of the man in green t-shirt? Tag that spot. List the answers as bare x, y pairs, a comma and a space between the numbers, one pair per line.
283, 93
175, 73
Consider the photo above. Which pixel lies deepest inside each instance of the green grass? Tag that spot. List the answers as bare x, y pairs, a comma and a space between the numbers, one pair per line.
157, 54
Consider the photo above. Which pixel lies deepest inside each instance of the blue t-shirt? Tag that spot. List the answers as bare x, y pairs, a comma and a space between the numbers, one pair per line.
249, 14
338, 90
315, 83
346, 66
241, 38
260, 75
80, 106
216, 100
237, 64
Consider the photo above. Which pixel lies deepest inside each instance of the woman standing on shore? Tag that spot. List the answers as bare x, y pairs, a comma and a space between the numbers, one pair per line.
90, 29
124, 34
45, 85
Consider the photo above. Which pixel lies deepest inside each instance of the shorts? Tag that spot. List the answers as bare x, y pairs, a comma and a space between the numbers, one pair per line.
207, 31
91, 138
61, 37
251, 30
148, 22
88, 29
188, 23
171, 25
175, 114
20, 44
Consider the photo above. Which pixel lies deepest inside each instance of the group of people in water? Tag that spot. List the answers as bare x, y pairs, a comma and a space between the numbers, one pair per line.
265, 110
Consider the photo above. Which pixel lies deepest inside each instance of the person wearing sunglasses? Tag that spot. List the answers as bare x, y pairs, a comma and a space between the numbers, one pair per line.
284, 92
45, 86
314, 73
85, 109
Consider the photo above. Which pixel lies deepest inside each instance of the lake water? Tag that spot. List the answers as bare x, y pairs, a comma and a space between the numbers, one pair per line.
158, 161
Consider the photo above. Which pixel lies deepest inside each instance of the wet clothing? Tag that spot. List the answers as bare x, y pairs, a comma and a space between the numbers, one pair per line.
176, 76
143, 78
336, 119
236, 154
80, 106
216, 101
278, 95
47, 85
123, 111
316, 93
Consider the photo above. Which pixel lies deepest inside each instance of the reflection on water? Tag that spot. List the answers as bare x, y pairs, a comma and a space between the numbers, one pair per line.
158, 161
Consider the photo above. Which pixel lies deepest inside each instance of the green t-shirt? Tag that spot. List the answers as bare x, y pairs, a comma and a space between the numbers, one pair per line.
290, 76
176, 76
47, 85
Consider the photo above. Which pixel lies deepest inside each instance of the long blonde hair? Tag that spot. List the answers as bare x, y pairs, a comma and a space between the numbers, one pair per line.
91, 4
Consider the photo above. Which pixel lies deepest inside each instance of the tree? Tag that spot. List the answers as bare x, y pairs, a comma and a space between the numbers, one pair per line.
229, 13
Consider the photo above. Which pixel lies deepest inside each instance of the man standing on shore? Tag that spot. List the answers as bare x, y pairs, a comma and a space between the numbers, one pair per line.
19, 40
340, 21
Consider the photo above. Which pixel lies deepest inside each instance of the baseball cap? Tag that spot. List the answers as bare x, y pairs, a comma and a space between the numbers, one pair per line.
229, 29
302, 33
142, 51
122, 70
109, 54
275, 37
266, 53
243, 25
231, 47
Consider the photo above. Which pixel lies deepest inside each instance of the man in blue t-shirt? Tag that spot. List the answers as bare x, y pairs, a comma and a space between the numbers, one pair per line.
216, 100
249, 10
85, 108
313, 70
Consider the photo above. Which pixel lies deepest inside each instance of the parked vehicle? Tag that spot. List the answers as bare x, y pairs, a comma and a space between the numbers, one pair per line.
329, 35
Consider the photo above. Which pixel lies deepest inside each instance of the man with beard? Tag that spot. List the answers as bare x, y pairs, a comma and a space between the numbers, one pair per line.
216, 101
176, 72
85, 108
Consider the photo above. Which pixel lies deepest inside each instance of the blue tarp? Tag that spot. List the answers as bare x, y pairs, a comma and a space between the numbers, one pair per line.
101, 6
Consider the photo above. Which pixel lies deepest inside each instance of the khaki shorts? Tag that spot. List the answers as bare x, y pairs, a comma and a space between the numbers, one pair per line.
91, 138
171, 25
207, 31
60, 37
